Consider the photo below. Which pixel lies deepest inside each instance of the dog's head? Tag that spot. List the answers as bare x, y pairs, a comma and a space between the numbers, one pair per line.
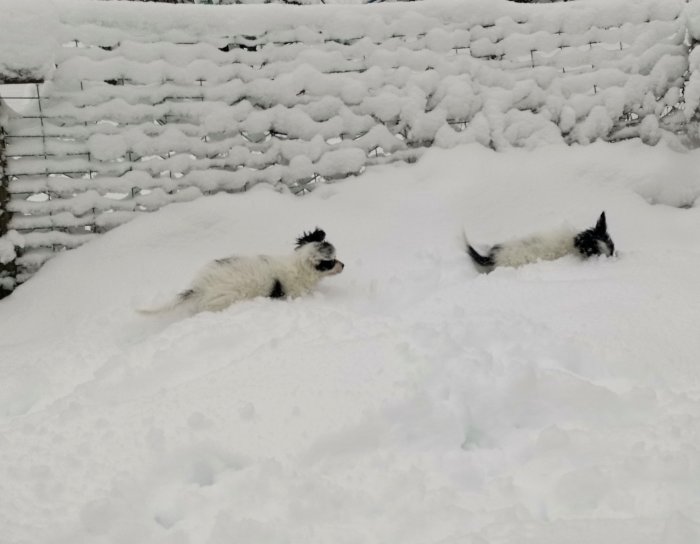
595, 241
312, 246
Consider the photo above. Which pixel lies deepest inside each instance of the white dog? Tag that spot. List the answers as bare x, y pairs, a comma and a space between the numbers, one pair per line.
547, 247
236, 278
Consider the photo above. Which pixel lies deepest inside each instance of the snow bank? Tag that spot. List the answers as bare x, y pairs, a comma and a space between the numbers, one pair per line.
409, 399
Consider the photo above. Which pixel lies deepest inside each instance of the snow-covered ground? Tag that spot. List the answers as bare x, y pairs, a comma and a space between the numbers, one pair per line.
409, 400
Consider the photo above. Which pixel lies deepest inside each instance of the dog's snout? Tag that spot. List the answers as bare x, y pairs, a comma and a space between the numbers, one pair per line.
339, 266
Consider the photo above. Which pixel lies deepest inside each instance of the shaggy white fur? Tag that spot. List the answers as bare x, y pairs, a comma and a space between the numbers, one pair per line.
545, 247
236, 278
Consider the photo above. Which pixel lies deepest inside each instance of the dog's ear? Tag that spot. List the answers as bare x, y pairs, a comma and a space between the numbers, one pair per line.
601, 227
317, 235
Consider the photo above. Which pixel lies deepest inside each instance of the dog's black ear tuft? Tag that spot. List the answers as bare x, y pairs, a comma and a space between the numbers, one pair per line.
316, 235
601, 226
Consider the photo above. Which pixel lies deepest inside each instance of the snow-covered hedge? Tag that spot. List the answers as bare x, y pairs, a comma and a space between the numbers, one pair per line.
150, 104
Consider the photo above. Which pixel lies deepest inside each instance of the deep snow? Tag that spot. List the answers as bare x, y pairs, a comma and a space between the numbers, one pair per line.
409, 399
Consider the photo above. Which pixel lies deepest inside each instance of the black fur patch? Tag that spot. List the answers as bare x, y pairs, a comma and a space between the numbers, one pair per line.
485, 261
323, 266
277, 290
588, 242
185, 294
317, 235
326, 251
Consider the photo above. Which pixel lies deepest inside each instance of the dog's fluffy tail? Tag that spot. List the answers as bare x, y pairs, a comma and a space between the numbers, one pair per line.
486, 262
482, 260
168, 306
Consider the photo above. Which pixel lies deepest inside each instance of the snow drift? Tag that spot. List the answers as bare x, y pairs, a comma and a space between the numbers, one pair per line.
409, 400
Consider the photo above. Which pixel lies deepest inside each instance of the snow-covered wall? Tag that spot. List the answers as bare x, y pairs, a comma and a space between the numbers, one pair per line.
149, 104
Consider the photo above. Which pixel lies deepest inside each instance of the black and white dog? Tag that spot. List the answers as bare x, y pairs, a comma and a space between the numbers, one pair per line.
236, 278
547, 247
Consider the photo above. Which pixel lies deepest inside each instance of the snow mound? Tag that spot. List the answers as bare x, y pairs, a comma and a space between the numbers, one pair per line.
409, 399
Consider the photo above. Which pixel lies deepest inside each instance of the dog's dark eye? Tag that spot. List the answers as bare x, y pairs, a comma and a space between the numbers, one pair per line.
326, 251
322, 266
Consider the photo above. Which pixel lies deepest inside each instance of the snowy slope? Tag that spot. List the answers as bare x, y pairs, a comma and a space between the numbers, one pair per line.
409, 400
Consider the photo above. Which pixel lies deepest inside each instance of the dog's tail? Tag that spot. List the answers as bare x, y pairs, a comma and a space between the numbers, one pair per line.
486, 262
168, 306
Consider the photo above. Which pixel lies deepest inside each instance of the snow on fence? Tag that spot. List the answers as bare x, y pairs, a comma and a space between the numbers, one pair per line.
150, 105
